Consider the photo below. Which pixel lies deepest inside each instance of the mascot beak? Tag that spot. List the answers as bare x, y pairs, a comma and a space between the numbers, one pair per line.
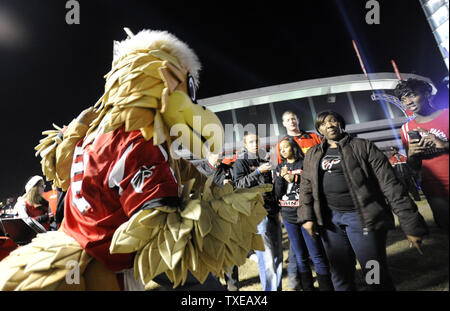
193, 126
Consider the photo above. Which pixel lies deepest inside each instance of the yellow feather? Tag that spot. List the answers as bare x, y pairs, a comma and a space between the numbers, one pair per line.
151, 69
140, 101
166, 56
136, 118
147, 132
155, 91
192, 210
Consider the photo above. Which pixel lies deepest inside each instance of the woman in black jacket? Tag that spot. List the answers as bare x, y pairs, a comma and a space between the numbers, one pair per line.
286, 185
348, 188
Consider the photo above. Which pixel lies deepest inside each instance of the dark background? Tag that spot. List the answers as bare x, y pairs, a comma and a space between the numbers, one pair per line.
50, 71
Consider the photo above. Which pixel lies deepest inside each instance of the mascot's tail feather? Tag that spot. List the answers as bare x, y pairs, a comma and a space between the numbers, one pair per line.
42, 264
209, 234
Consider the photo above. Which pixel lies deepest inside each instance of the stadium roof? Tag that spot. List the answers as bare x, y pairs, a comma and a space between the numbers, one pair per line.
308, 88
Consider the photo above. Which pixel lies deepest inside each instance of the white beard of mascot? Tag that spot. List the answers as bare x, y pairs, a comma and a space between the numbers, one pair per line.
131, 204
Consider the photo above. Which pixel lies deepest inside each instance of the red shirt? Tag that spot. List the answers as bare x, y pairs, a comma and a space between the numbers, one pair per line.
305, 141
435, 174
111, 179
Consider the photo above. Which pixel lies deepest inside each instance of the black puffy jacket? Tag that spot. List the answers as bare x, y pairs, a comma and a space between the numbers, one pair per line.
374, 188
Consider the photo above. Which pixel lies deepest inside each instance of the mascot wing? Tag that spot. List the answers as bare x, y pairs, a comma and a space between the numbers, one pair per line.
208, 234
47, 150
56, 151
43, 264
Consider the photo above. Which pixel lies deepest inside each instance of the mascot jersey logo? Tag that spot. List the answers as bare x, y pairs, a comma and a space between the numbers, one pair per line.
138, 180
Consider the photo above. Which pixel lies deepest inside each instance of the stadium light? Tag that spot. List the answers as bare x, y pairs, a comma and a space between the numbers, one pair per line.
436, 12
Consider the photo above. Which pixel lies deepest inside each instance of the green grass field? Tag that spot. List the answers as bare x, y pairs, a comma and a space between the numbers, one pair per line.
410, 270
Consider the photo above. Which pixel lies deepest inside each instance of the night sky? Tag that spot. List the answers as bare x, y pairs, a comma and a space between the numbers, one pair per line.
50, 71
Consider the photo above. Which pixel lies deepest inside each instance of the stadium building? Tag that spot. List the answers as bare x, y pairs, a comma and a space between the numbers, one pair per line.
368, 106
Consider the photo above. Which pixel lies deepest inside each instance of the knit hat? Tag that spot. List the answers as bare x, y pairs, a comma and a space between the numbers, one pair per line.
32, 182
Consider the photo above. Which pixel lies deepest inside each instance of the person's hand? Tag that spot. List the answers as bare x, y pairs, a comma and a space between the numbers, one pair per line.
226, 181
415, 148
416, 242
430, 140
310, 227
266, 167
87, 116
43, 218
285, 174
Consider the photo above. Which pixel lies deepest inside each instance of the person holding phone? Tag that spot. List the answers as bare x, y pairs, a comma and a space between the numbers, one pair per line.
425, 138
252, 169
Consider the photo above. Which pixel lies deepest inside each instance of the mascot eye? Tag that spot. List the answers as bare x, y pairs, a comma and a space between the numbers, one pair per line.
192, 89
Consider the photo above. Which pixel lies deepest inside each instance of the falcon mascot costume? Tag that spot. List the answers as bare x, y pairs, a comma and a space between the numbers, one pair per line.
131, 203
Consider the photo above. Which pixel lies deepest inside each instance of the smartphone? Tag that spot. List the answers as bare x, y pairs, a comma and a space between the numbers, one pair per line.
414, 135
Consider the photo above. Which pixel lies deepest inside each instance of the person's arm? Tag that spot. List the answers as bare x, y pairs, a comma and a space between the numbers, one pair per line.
243, 178
20, 209
279, 183
417, 147
413, 160
44, 218
414, 151
430, 140
284, 173
305, 213
411, 221
221, 174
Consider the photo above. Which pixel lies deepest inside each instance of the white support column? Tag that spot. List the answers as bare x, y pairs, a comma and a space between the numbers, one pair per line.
311, 106
236, 132
389, 108
353, 108
274, 120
